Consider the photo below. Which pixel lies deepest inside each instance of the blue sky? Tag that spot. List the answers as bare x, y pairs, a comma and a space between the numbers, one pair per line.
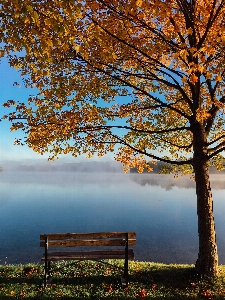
8, 151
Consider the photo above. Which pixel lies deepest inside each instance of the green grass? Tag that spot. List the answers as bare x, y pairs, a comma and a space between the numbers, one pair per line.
93, 280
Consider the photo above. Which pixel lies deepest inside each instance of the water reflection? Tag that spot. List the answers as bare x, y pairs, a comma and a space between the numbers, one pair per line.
161, 209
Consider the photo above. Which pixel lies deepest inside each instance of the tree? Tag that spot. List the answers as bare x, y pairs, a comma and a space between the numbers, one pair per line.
146, 75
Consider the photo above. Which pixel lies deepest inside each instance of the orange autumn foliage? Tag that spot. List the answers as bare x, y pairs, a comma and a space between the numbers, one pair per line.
159, 52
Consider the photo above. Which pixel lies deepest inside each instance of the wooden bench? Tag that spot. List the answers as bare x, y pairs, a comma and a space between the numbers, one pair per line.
99, 239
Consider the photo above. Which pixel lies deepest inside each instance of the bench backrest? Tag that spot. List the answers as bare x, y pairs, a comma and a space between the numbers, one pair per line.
88, 239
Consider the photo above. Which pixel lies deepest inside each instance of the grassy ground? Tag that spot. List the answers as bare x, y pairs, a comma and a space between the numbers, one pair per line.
93, 280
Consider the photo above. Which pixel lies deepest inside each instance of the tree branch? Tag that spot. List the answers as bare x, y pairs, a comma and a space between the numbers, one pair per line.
175, 162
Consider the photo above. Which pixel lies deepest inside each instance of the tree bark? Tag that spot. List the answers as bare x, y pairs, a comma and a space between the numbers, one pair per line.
207, 262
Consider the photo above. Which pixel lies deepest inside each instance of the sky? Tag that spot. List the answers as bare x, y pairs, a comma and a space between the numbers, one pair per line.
8, 151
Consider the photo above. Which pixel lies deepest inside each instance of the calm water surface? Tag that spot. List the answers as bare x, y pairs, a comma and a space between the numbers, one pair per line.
162, 211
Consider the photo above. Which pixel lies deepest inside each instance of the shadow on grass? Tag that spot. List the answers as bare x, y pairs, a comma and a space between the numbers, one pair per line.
145, 283
167, 276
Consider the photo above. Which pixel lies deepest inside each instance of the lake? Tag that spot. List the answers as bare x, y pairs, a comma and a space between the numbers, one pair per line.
161, 209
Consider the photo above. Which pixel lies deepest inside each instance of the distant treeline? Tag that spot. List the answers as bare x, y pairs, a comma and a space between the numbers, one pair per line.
162, 165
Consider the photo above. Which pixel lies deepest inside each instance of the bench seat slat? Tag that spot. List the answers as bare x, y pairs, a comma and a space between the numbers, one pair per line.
90, 254
97, 235
75, 243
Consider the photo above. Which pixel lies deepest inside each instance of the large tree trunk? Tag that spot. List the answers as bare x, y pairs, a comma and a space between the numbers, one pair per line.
207, 262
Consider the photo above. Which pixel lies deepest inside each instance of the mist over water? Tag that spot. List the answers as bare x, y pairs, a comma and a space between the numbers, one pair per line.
161, 209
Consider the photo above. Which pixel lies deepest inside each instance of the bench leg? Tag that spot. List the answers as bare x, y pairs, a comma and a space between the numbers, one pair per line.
46, 271
45, 277
126, 262
125, 274
47, 265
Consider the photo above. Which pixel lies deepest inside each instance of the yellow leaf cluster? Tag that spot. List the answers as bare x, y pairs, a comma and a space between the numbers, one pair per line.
193, 78
202, 115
